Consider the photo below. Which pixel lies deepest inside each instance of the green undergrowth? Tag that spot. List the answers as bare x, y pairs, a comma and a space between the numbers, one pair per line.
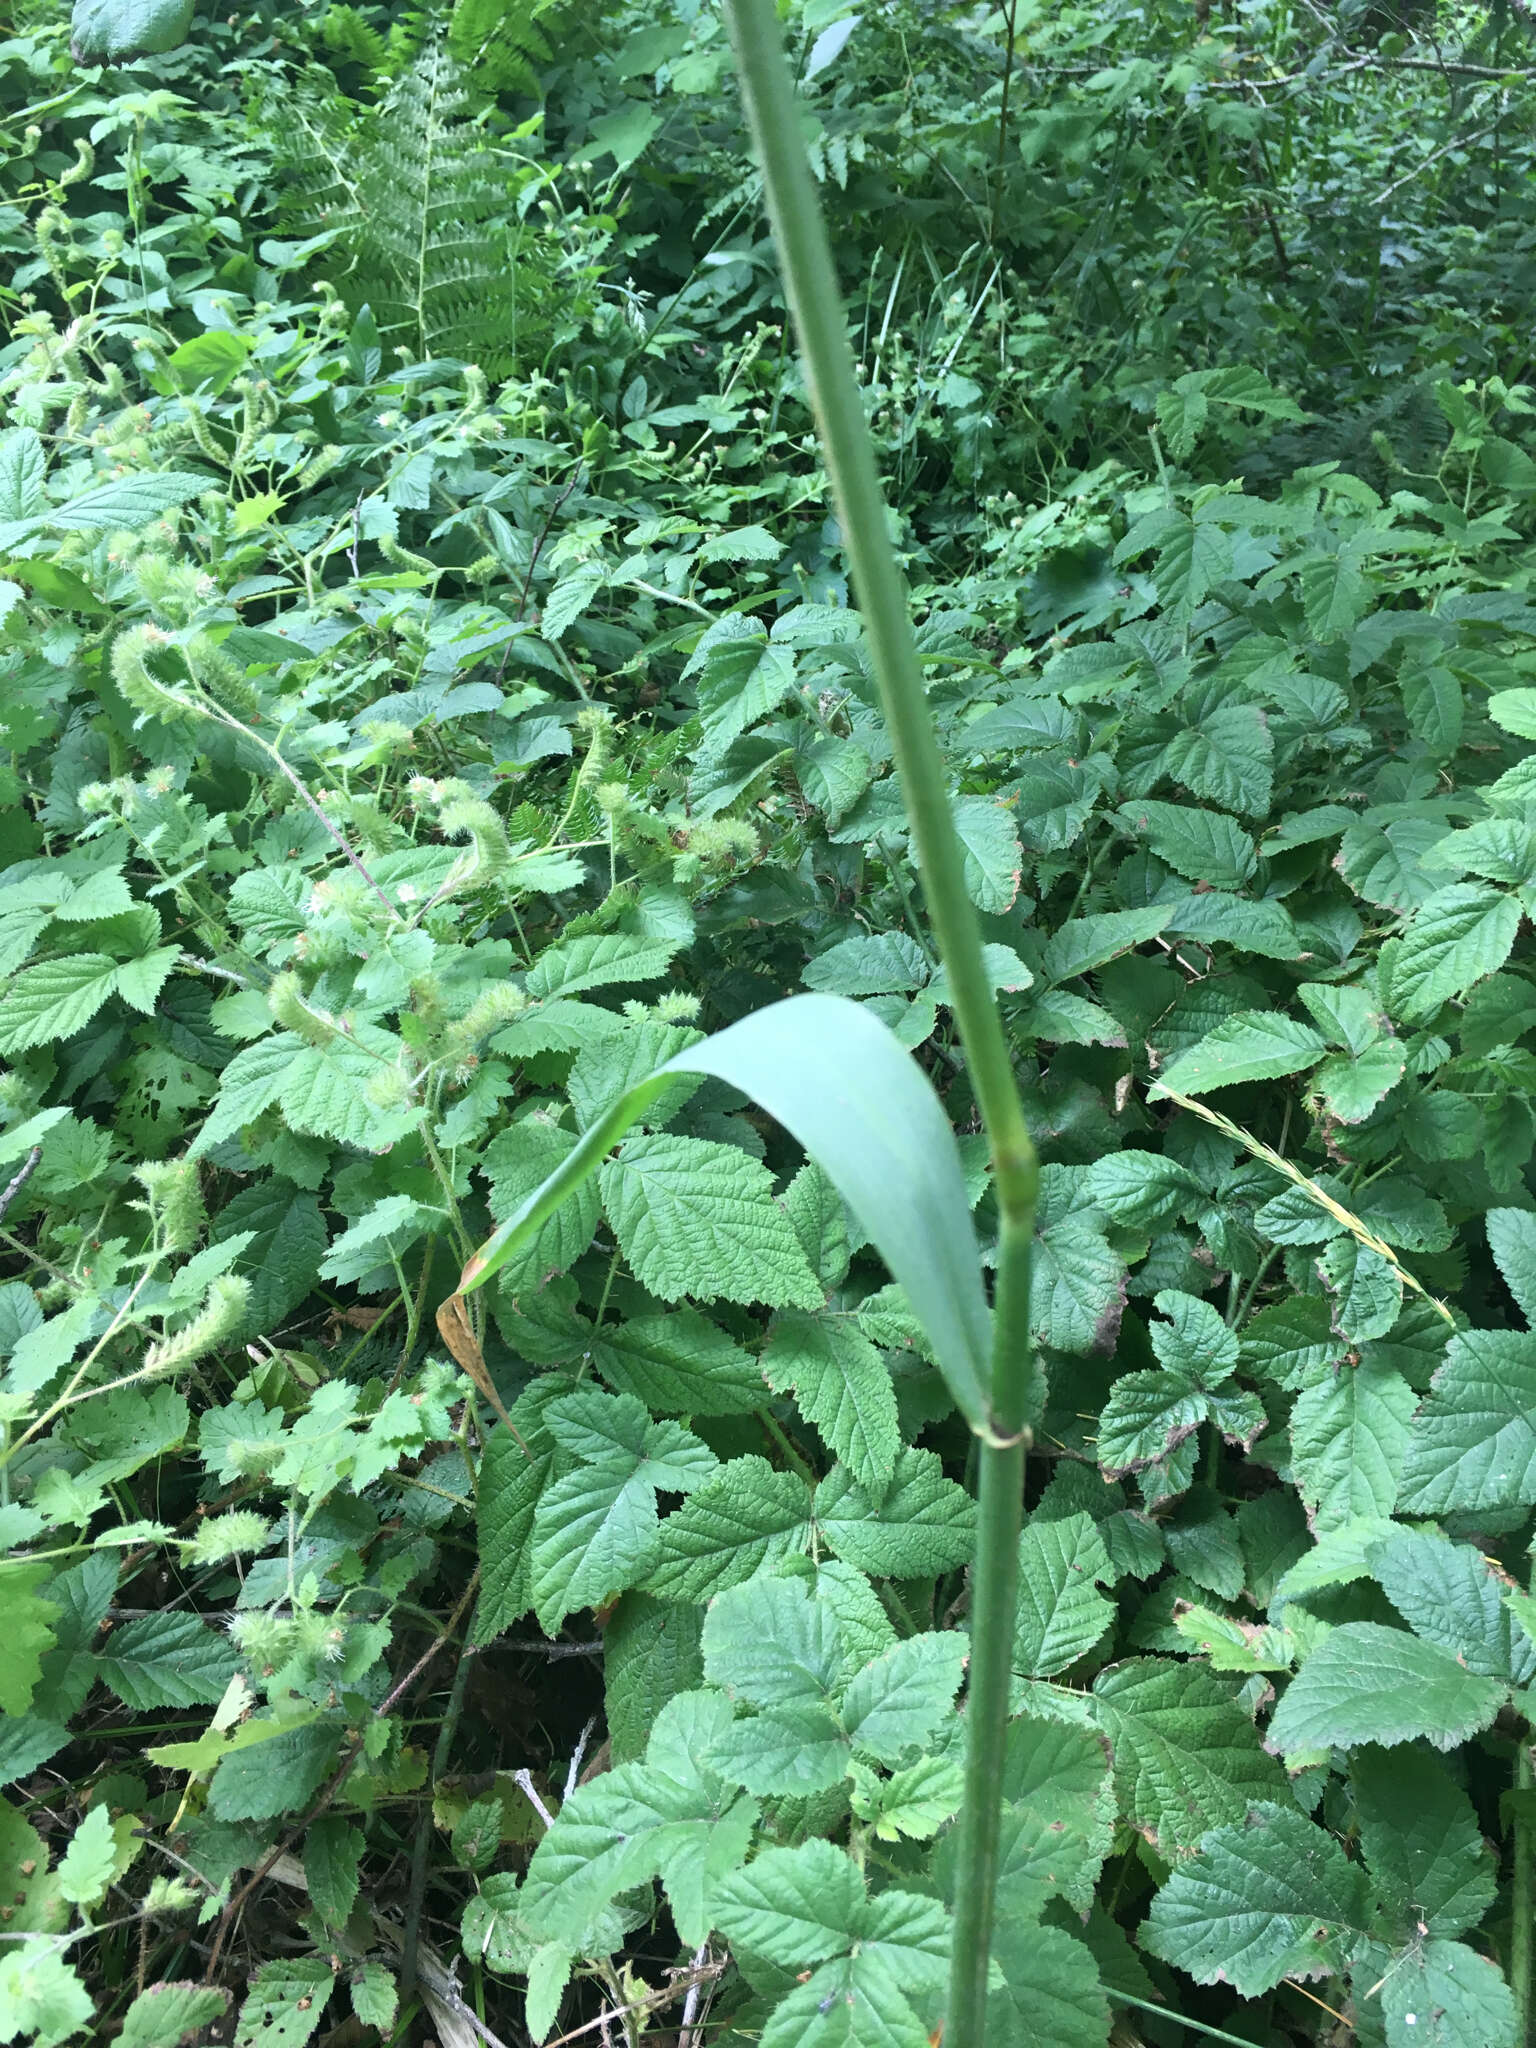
430, 701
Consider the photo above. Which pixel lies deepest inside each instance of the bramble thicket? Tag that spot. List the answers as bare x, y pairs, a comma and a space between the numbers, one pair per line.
578, 1099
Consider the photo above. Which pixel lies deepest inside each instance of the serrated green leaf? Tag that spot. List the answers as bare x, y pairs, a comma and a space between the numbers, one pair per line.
89, 1863
1255, 1045
1430, 1867
594, 1529
679, 1364
651, 1653
841, 1386
921, 1524
1473, 1442
166, 2015
895, 1703
168, 1660
698, 1218
1366, 1683
1448, 1594
1187, 1758
747, 1517
1077, 1288
1148, 1415
1061, 1613
869, 964
597, 962
1442, 1994
991, 857
1051, 1991
285, 2004
1512, 1240
1349, 1436
277, 1775
1270, 1897
670, 1816
55, 999
333, 1849
27, 1629
770, 1644
1460, 935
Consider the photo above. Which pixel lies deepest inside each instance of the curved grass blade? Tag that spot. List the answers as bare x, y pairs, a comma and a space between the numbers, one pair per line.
843, 1085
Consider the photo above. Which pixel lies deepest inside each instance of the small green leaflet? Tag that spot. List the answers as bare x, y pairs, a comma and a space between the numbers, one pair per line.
1456, 938
842, 1387
1255, 1045
1187, 1758
1366, 1683
699, 1218
1267, 1897
1061, 1613
805, 1908
1473, 1443
669, 1817
167, 2014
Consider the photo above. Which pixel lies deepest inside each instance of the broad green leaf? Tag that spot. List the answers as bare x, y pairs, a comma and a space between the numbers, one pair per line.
333, 1849
1349, 1435
669, 1817
27, 1630
771, 1644
842, 1387
1077, 1288
698, 1218
840, 1083
651, 1653
1443, 1995
746, 1517
1203, 846
1512, 1240
920, 1525
1255, 1045
894, 1704
1366, 1683
112, 31
1051, 1991
597, 962
285, 2004
276, 1775
1142, 1190
678, 1364
1460, 935
168, 1660
89, 1864
795, 1907
1148, 1415
1187, 1758
1061, 1613
55, 999
869, 964
165, 2015
1448, 1594
1269, 1897
41, 1995
1429, 1864
1226, 759
992, 858
915, 1802
1084, 943
594, 1529
1473, 1442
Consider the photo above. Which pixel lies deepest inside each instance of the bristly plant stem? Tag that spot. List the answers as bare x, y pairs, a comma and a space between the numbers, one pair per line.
816, 303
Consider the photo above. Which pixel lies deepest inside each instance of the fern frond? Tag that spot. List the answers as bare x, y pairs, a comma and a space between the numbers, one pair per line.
498, 42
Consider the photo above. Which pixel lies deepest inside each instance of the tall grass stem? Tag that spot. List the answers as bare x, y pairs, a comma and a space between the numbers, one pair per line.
816, 303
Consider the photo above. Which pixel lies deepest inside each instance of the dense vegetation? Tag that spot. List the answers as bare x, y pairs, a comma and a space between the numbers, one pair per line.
431, 699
